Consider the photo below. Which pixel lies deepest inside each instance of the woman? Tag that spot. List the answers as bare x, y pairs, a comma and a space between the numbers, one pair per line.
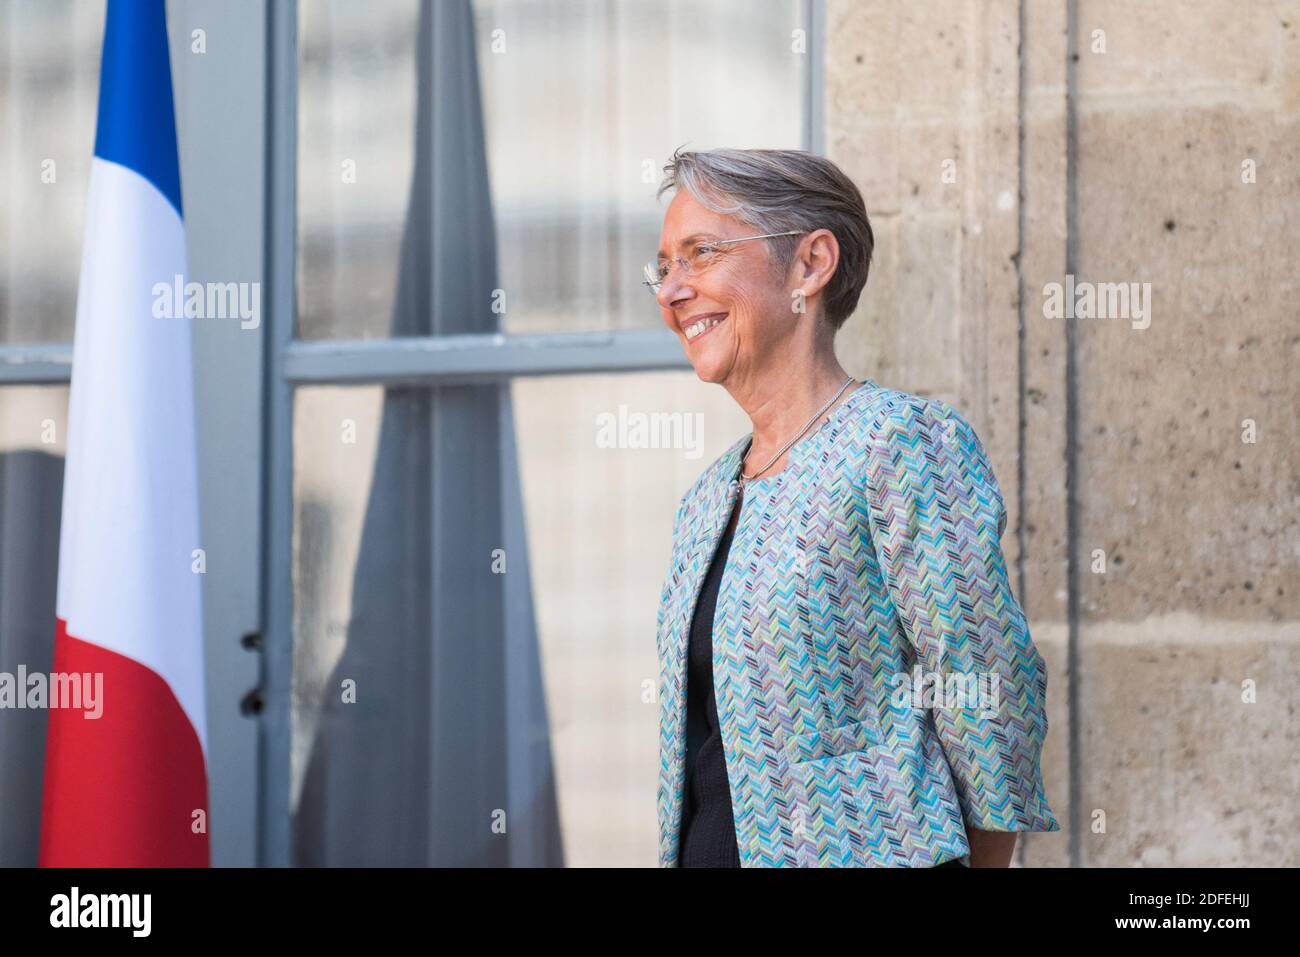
845, 676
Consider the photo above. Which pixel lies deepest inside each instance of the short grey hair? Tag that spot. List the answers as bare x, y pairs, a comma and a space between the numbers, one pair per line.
779, 190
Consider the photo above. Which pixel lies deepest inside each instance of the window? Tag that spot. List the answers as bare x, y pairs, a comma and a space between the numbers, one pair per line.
460, 561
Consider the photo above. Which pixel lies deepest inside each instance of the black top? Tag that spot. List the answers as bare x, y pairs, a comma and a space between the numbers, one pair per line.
708, 835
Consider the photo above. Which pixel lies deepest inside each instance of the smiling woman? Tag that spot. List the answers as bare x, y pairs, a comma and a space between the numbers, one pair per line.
852, 536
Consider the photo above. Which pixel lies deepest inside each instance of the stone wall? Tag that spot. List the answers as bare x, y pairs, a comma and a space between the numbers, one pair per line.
1150, 459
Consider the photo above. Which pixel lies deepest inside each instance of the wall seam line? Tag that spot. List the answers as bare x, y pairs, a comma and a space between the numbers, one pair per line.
1021, 187
1071, 429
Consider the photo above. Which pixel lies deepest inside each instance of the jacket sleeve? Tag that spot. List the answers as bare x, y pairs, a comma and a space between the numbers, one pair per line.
936, 519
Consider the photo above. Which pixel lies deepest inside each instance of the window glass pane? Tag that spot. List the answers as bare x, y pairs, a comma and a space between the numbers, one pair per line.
33, 426
548, 144
599, 522
371, 528
356, 109
49, 84
585, 103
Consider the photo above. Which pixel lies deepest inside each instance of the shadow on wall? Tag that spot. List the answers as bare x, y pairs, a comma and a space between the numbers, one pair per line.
31, 497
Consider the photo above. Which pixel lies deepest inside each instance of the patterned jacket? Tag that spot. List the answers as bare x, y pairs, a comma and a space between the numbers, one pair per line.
867, 565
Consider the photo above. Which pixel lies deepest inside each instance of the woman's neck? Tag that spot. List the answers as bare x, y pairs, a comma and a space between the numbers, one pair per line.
781, 402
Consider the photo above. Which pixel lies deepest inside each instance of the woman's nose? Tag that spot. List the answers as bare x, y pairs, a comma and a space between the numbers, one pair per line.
675, 287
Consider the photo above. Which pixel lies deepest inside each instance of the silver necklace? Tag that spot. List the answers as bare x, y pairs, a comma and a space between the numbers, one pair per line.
816, 415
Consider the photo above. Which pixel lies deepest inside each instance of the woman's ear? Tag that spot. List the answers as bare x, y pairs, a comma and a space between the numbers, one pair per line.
816, 259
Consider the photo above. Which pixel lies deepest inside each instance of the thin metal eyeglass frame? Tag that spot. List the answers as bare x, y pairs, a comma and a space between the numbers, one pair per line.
652, 267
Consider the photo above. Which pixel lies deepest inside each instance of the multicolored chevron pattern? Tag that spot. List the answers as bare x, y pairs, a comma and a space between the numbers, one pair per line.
877, 549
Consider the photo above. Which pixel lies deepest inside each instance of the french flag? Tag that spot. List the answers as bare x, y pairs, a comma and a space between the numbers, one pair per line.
129, 789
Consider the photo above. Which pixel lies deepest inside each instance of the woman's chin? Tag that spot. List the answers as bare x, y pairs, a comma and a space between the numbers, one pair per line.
709, 371
710, 365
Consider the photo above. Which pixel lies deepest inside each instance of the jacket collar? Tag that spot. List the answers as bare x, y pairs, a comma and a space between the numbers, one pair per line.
719, 490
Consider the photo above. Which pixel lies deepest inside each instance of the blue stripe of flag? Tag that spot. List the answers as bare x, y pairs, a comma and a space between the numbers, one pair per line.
137, 125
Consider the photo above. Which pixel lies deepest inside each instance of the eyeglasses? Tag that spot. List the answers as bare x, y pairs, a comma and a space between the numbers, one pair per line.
700, 257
